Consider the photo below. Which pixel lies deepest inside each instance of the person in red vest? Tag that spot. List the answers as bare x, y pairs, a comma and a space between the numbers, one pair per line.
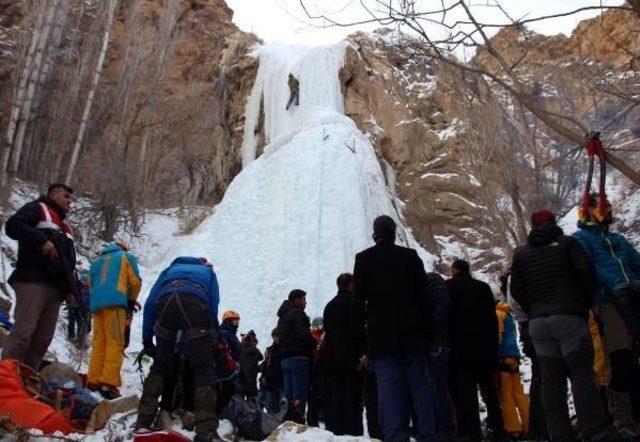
44, 272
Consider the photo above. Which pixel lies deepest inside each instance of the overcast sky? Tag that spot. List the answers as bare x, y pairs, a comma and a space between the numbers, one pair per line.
284, 21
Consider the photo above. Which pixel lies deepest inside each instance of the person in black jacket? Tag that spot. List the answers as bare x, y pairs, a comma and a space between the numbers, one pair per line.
343, 383
398, 341
473, 339
271, 380
554, 281
250, 358
439, 357
297, 347
44, 273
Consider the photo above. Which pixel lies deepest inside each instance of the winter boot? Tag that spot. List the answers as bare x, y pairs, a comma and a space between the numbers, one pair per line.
293, 413
109, 392
206, 420
148, 406
164, 420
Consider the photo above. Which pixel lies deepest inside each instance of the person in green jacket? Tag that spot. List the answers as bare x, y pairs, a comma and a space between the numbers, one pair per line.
294, 91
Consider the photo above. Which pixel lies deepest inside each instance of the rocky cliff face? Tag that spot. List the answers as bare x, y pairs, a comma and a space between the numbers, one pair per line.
466, 162
469, 163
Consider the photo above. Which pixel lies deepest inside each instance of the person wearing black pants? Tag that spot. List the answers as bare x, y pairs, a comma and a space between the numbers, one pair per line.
474, 353
343, 383
182, 306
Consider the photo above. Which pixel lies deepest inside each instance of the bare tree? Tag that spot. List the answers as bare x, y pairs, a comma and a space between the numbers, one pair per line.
111, 9
21, 89
453, 25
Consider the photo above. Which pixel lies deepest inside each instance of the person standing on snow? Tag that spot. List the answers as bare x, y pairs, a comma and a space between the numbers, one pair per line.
439, 357
76, 329
114, 283
513, 401
251, 358
397, 342
184, 300
297, 348
44, 273
294, 91
229, 332
537, 424
271, 380
474, 352
315, 408
554, 281
343, 383
617, 266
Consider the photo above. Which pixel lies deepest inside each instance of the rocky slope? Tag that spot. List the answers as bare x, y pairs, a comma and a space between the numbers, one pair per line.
469, 163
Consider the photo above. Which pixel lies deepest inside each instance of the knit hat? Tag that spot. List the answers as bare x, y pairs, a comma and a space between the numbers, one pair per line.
541, 217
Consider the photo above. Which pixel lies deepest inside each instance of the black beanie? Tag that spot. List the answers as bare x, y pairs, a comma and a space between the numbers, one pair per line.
384, 228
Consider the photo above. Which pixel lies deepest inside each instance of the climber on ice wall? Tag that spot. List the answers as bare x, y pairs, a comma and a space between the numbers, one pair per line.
294, 90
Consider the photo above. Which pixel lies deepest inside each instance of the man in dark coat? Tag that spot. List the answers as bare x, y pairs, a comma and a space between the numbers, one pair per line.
297, 347
393, 302
473, 339
343, 383
554, 281
44, 273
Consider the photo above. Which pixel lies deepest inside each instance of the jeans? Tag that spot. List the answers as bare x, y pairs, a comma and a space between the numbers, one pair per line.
403, 382
271, 400
564, 349
296, 378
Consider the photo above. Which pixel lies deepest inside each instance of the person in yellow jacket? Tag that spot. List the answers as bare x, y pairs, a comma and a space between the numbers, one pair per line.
114, 283
513, 401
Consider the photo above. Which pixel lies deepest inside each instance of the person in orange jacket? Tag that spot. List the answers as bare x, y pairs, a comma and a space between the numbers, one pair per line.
513, 401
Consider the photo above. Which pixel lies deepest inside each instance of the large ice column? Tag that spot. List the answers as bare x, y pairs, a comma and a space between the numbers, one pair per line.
296, 216
315, 68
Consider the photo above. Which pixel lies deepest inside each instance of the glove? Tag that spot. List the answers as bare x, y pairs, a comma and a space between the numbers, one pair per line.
150, 349
133, 306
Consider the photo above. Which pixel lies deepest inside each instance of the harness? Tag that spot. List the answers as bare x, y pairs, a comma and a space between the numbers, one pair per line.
176, 289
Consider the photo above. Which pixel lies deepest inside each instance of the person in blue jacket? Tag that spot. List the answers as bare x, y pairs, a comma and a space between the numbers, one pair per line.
182, 306
618, 270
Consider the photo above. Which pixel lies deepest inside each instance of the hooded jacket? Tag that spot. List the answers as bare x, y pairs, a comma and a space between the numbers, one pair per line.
186, 275
616, 261
552, 274
294, 331
114, 279
507, 332
32, 225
